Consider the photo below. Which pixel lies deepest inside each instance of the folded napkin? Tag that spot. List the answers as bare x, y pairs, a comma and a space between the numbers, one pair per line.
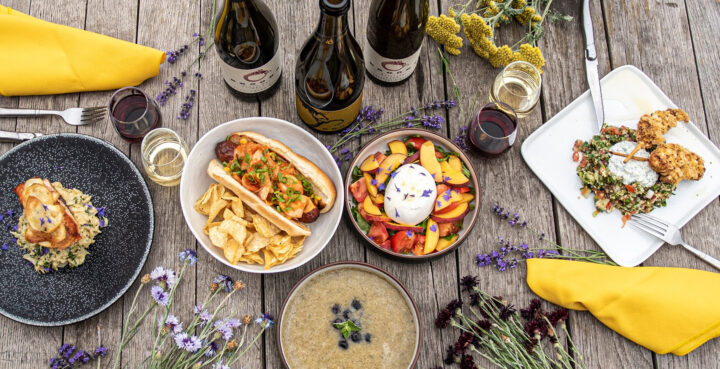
40, 58
667, 310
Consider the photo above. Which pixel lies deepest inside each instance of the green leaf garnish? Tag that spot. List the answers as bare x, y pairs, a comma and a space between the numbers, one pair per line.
361, 222
347, 327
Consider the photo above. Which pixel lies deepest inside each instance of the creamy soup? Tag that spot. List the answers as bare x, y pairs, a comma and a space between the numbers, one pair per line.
349, 297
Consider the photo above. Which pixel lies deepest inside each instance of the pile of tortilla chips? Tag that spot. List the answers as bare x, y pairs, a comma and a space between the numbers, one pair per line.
243, 234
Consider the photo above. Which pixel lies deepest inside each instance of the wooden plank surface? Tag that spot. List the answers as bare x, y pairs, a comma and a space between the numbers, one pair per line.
683, 63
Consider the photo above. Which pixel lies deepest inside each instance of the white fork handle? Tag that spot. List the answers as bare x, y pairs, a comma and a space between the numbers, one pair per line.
25, 112
708, 259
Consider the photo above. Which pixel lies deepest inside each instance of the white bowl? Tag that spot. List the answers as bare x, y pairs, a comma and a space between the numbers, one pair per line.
195, 182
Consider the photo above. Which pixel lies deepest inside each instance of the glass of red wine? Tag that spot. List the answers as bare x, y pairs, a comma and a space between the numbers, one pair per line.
133, 113
493, 129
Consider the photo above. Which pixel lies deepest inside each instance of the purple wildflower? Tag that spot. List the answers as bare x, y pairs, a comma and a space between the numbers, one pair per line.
433, 228
381, 187
172, 323
187, 343
160, 296
426, 193
188, 255
461, 138
212, 349
4, 247
164, 277
187, 105
220, 365
224, 281
265, 319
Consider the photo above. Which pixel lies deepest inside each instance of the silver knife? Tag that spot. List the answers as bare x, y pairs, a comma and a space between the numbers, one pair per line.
591, 65
6, 136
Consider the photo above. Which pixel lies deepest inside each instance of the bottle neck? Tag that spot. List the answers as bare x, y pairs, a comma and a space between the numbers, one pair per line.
332, 25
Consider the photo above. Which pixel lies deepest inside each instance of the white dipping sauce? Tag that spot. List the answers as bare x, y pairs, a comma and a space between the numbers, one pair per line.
410, 194
633, 170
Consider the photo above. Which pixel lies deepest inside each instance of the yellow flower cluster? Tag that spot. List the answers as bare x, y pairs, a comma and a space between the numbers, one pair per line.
480, 34
444, 30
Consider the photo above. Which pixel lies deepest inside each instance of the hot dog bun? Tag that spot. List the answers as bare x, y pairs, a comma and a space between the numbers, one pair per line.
215, 171
322, 185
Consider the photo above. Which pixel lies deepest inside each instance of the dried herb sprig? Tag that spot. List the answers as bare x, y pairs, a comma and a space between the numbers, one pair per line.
492, 328
509, 255
368, 122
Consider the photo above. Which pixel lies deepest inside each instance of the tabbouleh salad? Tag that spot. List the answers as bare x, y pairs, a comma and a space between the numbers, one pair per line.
610, 192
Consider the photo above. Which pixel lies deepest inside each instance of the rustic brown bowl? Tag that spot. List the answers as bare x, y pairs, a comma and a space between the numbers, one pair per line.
358, 265
380, 144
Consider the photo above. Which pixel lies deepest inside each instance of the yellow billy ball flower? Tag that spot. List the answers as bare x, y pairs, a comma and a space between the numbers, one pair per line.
503, 56
519, 4
452, 13
526, 15
452, 50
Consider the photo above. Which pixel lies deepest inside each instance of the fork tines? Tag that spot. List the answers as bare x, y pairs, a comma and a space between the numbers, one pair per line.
649, 224
92, 114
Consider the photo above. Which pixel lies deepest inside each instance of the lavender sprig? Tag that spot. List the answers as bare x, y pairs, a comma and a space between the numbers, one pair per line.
508, 255
368, 121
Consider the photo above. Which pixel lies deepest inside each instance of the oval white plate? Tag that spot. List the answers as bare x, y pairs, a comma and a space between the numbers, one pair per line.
195, 182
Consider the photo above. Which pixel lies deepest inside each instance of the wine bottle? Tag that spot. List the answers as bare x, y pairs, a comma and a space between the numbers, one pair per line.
247, 41
329, 73
395, 33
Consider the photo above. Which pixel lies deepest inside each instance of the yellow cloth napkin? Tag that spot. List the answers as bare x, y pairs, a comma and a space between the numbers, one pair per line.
667, 310
40, 58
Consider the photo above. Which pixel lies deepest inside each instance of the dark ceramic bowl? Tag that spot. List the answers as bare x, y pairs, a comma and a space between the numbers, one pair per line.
365, 267
100, 170
380, 144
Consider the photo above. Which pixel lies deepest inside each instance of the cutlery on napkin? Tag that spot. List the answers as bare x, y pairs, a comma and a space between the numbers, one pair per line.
667, 310
41, 58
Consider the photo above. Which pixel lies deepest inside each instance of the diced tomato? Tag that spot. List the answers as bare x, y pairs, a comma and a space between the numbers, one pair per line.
420, 240
385, 245
378, 232
439, 155
576, 156
359, 190
462, 189
418, 250
600, 195
607, 207
415, 142
630, 188
625, 218
583, 162
379, 157
403, 241
446, 229
577, 144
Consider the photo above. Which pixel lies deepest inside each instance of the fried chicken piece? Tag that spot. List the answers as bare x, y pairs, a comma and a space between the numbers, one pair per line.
651, 128
675, 163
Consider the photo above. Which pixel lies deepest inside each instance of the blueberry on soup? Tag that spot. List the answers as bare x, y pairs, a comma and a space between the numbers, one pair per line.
343, 344
346, 314
367, 337
355, 336
335, 309
356, 304
337, 321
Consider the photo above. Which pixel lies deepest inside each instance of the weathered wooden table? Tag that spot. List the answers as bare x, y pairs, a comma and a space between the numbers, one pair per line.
673, 41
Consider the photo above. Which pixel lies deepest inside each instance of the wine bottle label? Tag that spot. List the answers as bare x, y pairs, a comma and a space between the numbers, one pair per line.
252, 81
390, 70
328, 120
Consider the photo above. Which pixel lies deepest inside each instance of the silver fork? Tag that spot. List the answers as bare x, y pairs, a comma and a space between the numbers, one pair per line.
74, 116
668, 233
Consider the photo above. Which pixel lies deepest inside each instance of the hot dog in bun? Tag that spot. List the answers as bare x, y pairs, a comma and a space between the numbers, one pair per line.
284, 187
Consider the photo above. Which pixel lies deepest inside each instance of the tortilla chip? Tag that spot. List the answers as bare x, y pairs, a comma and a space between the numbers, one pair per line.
264, 227
270, 259
207, 227
203, 204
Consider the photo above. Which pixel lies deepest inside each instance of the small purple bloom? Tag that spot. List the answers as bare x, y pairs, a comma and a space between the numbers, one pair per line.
373, 182
224, 282
433, 228
265, 318
187, 343
101, 351
397, 215
393, 174
160, 296
381, 187
188, 255
4, 247
426, 193
408, 233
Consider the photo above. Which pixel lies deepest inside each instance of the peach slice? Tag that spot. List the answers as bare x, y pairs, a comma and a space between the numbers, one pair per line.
455, 163
429, 161
388, 166
455, 179
432, 235
378, 200
372, 189
369, 164
446, 199
370, 207
466, 197
397, 147
454, 215
445, 243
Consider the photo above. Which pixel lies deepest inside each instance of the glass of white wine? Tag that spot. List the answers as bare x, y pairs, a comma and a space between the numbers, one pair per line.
164, 154
518, 85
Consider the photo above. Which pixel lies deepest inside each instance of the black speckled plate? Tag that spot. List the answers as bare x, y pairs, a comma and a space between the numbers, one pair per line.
71, 295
